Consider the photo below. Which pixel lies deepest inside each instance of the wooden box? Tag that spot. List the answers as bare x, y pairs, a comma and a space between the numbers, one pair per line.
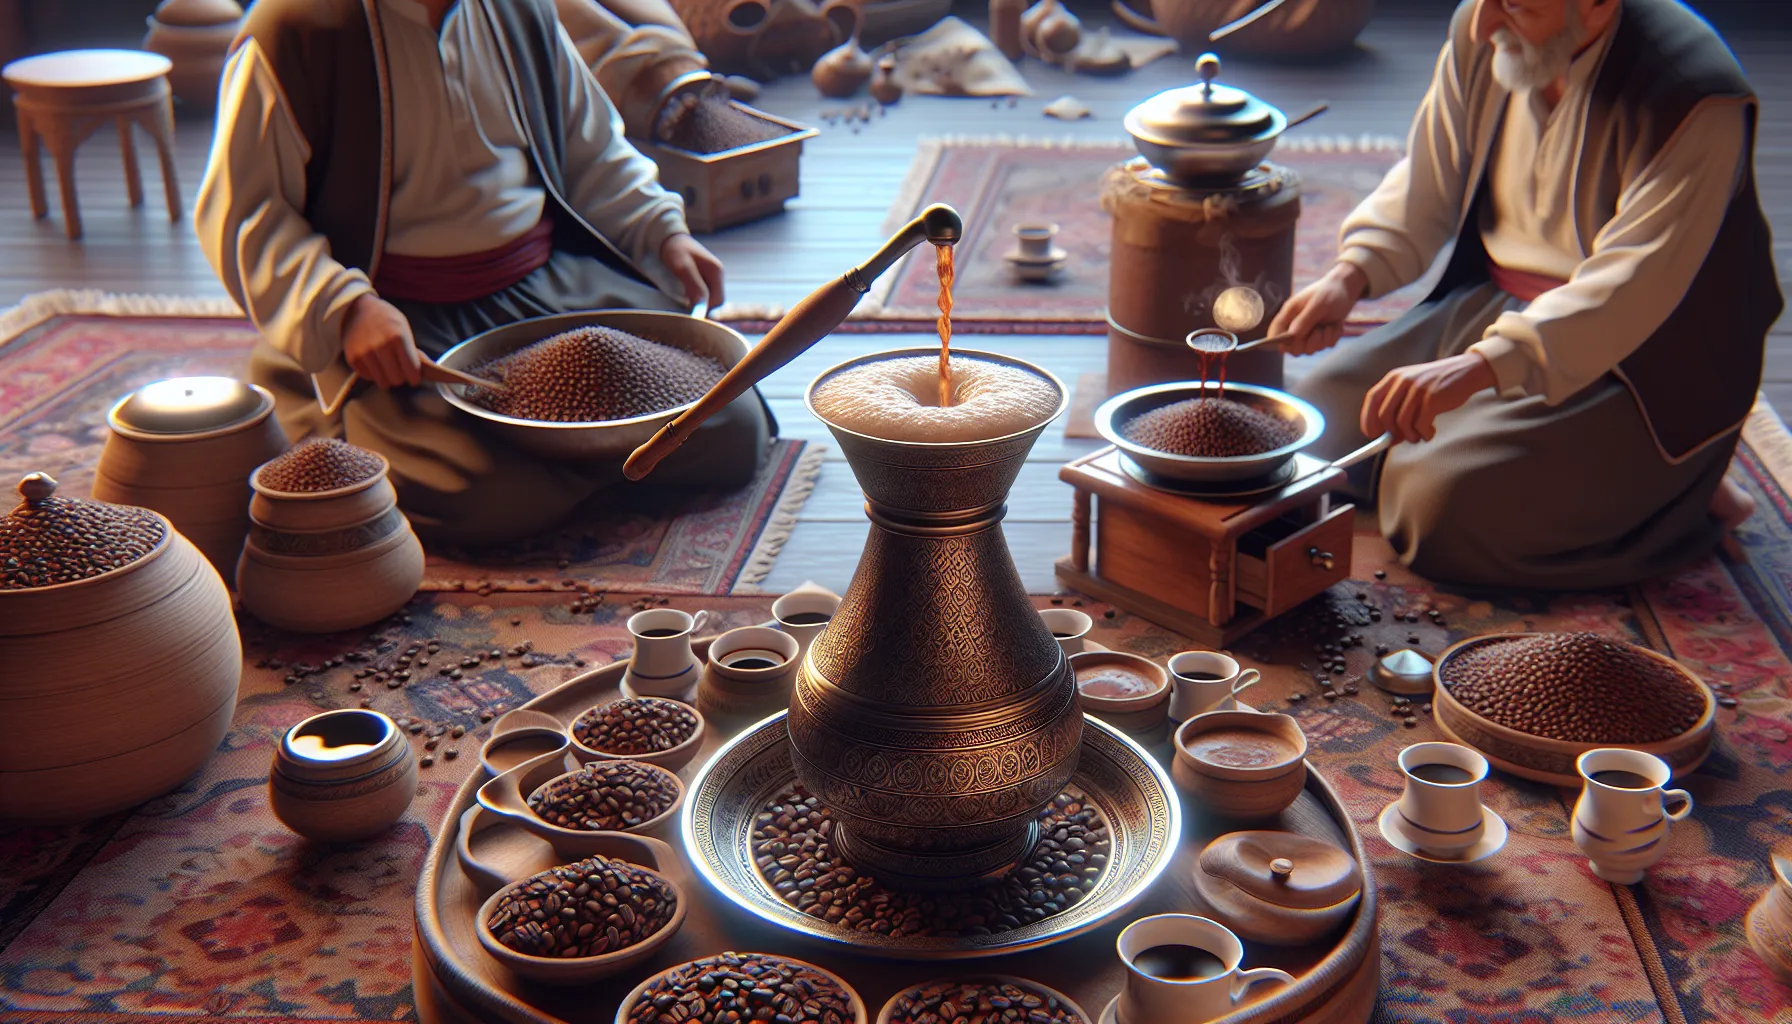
737, 185
1211, 569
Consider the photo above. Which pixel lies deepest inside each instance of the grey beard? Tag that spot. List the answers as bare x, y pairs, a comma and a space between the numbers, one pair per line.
1522, 66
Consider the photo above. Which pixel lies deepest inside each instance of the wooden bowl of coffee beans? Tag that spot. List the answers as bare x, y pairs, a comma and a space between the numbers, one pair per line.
799, 992
1534, 702
590, 385
653, 730
582, 921
995, 998
609, 796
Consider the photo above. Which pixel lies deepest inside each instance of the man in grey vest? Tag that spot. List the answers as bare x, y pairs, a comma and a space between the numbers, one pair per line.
394, 176
1568, 397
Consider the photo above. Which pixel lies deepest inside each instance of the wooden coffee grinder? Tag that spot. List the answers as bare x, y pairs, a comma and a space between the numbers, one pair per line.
1203, 232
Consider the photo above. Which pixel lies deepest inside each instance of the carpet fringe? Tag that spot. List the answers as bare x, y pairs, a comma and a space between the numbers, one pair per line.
1767, 435
783, 520
38, 307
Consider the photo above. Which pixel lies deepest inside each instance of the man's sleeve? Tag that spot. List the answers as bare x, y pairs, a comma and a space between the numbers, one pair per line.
608, 181
1394, 235
1641, 264
270, 259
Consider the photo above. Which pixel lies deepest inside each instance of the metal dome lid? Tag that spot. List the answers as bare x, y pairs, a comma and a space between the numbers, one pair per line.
1207, 114
183, 406
46, 540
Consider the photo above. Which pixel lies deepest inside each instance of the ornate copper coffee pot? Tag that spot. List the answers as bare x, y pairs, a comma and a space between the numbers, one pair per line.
936, 715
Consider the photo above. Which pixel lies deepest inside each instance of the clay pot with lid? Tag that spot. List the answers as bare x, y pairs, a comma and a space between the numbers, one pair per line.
322, 561
1207, 134
119, 657
185, 447
1279, 888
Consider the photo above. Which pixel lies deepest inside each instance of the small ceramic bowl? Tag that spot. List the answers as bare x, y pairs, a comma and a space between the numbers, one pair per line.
671, 759
342, 776
646, 826
1264, 774
856, 1004
731, 687
509, 749
1144, 715
888, 1015
578, 970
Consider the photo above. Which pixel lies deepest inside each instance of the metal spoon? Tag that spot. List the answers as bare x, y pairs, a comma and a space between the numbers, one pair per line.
1227, 29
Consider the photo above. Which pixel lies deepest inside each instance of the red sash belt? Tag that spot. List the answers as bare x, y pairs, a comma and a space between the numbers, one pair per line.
1521, 284
446, 279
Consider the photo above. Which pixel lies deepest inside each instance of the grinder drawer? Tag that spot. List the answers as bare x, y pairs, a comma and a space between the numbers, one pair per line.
1285, 562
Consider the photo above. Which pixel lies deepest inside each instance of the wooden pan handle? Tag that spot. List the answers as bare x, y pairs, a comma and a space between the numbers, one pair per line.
807, 323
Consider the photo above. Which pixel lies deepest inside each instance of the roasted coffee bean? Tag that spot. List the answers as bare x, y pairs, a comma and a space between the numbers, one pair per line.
605, 796
60, 540
979, 1002
792, 844
593, 374
1209, 428
635, 725
319, 464
588, 908
1577, 687
709, 122
742, 987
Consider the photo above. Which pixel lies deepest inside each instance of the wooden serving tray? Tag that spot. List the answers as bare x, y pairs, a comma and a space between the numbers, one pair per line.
456, 981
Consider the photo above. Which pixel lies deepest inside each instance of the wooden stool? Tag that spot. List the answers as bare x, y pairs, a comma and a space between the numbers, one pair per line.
62, 98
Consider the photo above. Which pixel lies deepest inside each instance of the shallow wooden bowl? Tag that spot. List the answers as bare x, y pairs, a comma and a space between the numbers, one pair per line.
579, 969
1545, 760
1145, 714
859, 1013
1246, 793
671, 759
509, 795
888, 1014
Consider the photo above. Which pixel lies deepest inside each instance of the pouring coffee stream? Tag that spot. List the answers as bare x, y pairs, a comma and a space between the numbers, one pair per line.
808, 322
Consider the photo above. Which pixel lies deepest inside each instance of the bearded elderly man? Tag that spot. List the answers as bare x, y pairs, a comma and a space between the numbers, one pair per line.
394, 176
1569, 396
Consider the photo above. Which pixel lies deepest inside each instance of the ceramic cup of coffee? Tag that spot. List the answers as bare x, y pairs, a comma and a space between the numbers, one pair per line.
753, 653
804, 614
1440, 811
663, 664
1203, 681
1621, 819
1069, 627
1034, 241
1183, 969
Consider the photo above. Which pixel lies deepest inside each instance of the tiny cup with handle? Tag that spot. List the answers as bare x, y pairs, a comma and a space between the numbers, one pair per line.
1203, 681
806, 605
1440, 809
663, 664
1621, 820
1152, 997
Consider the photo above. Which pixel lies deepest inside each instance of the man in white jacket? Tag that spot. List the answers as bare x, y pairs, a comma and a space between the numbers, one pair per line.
394, 176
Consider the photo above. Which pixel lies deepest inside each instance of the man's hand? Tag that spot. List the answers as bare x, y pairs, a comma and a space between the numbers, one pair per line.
377, 344
1407, 402
1315, 315
696, 268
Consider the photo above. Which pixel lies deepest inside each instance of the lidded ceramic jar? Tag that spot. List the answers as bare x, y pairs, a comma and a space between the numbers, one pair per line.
185, 447
325, 560
342, 776
119, 656
1279, 888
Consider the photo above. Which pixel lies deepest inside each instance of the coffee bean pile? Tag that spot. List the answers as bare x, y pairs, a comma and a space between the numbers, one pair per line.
635, 725
1578, 687
792, 845
605, 795
978, 1002
61, 540
742, 987
592, 374
710, 123
319, 464
1209, 428
588, 908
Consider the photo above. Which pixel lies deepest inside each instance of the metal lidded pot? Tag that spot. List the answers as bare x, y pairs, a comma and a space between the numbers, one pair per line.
1208, 134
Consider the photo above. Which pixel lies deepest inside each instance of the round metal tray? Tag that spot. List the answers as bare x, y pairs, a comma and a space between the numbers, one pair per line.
1128, 786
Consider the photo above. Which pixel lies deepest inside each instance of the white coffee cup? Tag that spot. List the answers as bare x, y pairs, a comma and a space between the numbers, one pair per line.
1623, 829
1190, 696
1069, 627
1153, 999
804, 602
1444, 817
663, 665
733, 653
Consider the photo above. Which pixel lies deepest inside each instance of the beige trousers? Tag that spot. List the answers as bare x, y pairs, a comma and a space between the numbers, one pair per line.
1515, 492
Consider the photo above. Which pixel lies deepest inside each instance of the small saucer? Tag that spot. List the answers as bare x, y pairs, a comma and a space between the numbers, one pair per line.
1021, 259
1492, 839
1030, 269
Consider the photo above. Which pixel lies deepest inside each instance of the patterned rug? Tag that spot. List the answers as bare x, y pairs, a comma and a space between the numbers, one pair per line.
62, 366
1001, 183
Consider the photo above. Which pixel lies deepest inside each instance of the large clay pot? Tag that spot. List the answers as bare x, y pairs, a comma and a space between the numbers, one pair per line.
767, 38
185, 447
113, 688
321, 561
195, 35
1297, 28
